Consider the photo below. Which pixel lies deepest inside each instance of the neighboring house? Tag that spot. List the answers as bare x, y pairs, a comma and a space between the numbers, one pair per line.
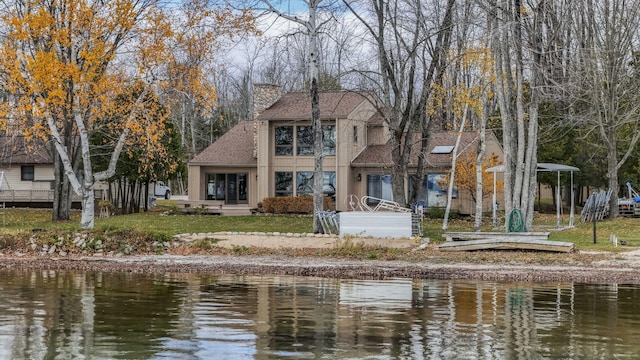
26, 166
273, 155
27, 173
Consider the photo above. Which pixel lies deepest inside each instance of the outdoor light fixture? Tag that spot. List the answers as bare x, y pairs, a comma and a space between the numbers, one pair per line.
359, 177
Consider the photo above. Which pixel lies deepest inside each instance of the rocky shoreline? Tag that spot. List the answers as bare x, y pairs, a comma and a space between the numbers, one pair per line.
617, 270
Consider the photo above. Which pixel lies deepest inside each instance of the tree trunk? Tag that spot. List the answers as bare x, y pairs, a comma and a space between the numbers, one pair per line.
482, 144
312, 30
318, 177
612, 171
61, 192
454, 158
88, 208
399, 169
146, 196
519, 140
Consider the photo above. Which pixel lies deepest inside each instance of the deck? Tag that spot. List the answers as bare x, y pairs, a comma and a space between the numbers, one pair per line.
38, 195
472, 241
213, 207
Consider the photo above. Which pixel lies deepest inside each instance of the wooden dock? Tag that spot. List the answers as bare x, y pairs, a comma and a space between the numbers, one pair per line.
472, 241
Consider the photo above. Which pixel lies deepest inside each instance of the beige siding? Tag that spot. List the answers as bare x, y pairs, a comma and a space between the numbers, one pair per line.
196, 183
43, 178
12, 179
377, 135
44, 173
265, 146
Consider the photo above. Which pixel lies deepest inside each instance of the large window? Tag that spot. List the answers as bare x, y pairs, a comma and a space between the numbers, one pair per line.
284, 140
229, 187
27, 173
379, 186
329, 184
437, 191
304, 183
329, 140
433, 189
304, 140
284, 183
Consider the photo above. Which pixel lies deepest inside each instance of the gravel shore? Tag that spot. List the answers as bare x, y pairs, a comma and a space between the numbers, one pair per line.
623, 267
610, 272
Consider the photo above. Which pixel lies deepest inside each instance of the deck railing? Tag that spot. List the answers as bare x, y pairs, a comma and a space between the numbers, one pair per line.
37, 195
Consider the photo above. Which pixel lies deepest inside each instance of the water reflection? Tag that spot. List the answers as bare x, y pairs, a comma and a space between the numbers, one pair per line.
64, 315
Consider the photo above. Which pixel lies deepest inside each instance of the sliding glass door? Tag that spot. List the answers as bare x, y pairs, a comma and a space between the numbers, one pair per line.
232, 188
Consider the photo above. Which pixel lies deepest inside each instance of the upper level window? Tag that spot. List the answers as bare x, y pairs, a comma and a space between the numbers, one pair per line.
329, 140
284, 140
27, 173
305, 140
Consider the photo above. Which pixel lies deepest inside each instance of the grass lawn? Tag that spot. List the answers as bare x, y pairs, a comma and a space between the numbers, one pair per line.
161, 221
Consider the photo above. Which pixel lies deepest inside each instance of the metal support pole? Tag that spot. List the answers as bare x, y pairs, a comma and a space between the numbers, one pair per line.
594, 228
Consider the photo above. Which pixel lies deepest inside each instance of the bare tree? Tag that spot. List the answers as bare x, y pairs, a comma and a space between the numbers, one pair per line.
312, 28
409, 39
516, 50
604, 80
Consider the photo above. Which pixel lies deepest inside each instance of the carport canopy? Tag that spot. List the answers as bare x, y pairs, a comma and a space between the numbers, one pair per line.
541, 167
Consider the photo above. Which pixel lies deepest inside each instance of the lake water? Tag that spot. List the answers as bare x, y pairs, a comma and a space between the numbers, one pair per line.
92, 315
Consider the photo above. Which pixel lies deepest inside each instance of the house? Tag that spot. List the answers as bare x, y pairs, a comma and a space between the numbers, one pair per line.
273, 154
25, 165
27, 173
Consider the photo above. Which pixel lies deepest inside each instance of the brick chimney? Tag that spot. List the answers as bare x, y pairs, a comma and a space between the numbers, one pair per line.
264, 95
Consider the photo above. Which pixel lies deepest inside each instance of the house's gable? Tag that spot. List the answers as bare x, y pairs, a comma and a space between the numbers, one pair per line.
234, 148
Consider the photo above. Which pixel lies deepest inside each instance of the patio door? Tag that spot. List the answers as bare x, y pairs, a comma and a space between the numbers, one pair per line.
232, 188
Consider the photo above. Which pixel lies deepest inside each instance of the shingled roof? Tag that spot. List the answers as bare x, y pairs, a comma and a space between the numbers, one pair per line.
380, 155
297, 105
234, 148
16, 150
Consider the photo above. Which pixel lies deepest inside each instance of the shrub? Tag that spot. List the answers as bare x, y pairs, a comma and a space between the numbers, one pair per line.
438, 213
293, 204
204, 244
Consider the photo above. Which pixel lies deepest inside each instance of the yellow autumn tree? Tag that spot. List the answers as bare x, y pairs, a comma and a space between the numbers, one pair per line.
466, 96
200, 31
466, 175
63, 64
